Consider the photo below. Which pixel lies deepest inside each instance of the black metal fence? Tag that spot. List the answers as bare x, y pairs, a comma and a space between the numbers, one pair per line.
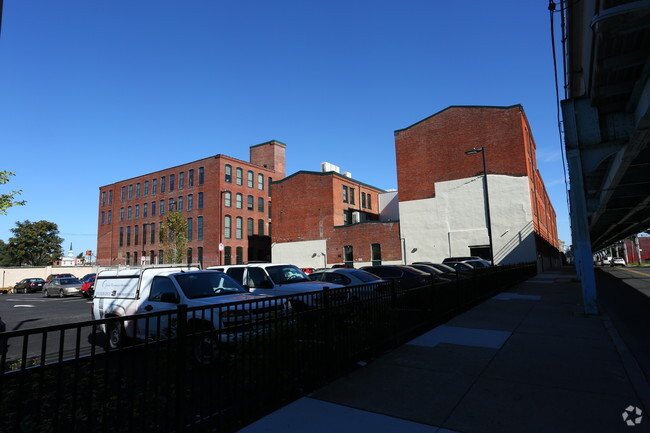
182, 374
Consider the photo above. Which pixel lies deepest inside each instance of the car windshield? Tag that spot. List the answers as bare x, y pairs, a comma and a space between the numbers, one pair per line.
285, 274
206, 284
69, 281
364, 276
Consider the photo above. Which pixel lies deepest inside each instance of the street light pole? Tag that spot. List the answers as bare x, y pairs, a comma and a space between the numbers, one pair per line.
486, 198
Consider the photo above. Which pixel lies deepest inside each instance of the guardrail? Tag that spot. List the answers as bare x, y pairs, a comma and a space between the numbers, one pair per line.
184, 375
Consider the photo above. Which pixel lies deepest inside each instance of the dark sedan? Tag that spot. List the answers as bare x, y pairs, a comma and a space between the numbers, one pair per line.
408, 277
29, 285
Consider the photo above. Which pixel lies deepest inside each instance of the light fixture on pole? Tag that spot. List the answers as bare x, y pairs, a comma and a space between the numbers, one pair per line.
486, 197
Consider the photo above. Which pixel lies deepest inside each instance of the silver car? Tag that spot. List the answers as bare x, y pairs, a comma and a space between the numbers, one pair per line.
63, 287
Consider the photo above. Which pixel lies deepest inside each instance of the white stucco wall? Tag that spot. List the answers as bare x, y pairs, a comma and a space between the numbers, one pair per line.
454, 220
388, 206
304, 254
10, 276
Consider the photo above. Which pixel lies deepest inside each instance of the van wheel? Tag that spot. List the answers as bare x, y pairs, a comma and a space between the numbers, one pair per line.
45, 293
114, 335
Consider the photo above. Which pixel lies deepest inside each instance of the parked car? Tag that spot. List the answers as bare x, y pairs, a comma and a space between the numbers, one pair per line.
618, 261
408, 277
87, 278
598, 262
307, 271
460, 266
29, 285
345, 276
478, 263
459, 259
88, 287
62, 287
342, 265
437, 273
607, 261
53, 276
127, 292
447, 270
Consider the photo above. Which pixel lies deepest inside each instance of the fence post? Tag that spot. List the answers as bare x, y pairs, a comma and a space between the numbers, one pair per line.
181, 355
329, 344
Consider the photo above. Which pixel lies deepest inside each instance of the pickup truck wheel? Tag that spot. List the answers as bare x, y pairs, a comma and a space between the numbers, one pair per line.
115, 335
204, 346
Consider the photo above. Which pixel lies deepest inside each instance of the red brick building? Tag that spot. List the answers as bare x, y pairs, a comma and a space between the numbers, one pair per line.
441, 194
225, 200
325, 218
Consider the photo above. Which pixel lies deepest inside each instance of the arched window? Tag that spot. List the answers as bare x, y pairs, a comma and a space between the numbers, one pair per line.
228, 173
227, 221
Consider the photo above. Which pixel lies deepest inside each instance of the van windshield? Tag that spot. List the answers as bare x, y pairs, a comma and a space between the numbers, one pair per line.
205, 284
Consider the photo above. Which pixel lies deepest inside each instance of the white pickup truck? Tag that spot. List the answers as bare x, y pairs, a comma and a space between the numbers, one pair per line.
125, 292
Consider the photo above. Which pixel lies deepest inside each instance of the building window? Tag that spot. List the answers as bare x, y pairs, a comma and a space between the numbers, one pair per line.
146, 188
250, 202
128, 258
190, 202
363, 200
154, 186
128, 236
137, 190
171, 205
346, 217
369, 197
160, 257
260, 181
162, 207
110, 197
121, 214
189, 229
145, 210
240, 255
269, 184
123, 193
226, 227
153, 208
250, 226
103, 198
260, 204
249, 179
351, 195
200, 203
136, 235
121, 236
199, 228
238, 200
227, 199
153, 233
152, 257
137, 211
269, 229
201, 171
172, 179
130, 192
239, 175
103, 216
375, 254
179, 204
345, 194
129, 213
260, 227
190, 180
348, 255
238, 227
228, 177
269, 207
144, 234
163, 181
189, 253
227, 256
109, 219
181, 180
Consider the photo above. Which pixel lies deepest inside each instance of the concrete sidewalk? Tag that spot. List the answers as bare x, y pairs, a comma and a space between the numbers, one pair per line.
527, 360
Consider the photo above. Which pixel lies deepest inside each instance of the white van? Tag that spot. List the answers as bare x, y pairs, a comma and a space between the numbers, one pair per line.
125, 292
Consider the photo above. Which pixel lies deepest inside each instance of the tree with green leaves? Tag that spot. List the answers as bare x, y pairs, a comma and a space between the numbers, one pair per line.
6, 256
36, 244
7, 200
173, 237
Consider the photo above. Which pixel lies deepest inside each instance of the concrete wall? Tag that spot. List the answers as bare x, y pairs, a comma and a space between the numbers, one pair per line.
447, 225
10, 276
304, 254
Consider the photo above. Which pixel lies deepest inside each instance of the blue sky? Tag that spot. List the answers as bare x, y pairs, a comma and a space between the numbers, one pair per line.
96, 91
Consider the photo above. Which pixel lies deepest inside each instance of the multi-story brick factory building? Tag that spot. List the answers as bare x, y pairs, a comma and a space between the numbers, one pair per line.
335, 220
225, 201
442, 199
